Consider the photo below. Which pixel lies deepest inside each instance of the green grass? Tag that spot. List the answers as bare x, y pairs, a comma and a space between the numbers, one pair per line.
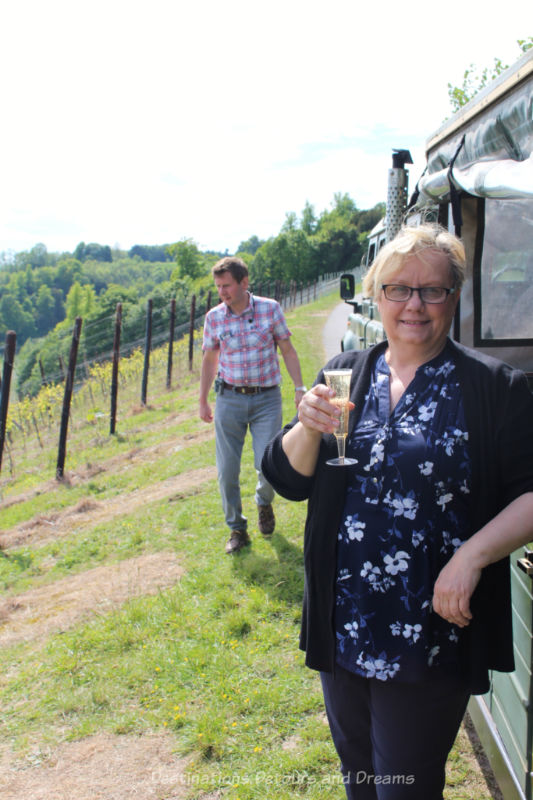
213, 660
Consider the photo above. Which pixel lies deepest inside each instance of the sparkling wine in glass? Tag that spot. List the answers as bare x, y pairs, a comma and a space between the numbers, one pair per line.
339, 381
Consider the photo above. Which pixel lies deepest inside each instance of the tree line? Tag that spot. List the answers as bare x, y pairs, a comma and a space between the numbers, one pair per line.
42, 293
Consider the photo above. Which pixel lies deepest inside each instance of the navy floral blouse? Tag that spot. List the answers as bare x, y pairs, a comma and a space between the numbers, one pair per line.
406, 513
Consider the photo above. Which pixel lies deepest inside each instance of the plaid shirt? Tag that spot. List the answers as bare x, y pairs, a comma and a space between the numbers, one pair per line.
247, 341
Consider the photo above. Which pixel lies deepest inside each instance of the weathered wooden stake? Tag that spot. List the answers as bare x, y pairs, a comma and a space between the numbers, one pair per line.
43, 376
147, 347
114, 368
171, 341
191, 331
9, 357
69, 385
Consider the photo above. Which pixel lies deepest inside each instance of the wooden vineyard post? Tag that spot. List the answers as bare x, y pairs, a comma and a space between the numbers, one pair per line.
9, 358
147, 346
114, 369
67, 397
171, 341
191, 331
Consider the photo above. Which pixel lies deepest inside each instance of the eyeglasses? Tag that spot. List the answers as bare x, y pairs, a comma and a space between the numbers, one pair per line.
399, 293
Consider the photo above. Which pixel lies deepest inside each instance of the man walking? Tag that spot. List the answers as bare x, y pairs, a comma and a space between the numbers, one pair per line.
239, 346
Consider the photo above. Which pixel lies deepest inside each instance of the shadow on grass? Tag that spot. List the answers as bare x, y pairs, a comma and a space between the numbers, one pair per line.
282, 577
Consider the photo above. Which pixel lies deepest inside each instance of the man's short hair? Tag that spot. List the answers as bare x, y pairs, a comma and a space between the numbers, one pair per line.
235, 266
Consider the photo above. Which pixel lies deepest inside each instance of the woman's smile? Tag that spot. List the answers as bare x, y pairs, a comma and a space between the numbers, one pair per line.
414, 324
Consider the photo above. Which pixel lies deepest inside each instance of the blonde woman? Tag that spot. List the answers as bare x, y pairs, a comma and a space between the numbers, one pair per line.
407, 594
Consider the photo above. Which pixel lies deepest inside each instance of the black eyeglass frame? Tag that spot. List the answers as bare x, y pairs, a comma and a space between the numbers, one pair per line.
418, 289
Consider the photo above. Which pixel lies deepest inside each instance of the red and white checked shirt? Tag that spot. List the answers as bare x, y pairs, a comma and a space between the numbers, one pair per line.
247, 341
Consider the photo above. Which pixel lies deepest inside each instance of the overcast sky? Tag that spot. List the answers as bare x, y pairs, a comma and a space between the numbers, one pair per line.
128, 122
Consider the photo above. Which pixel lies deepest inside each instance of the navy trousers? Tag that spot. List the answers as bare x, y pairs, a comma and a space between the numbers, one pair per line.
393, 738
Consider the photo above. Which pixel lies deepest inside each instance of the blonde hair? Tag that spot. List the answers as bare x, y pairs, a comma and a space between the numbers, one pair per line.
413, 241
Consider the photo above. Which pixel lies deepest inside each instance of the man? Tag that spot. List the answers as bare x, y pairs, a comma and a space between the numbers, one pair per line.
239, 346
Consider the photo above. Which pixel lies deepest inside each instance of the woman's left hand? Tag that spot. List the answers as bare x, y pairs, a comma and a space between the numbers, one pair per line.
454, 588
511, 528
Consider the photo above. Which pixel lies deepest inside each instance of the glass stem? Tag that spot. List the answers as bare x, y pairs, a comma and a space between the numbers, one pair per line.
341, 445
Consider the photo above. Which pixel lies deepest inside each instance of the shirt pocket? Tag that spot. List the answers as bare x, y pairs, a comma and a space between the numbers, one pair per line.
252, 339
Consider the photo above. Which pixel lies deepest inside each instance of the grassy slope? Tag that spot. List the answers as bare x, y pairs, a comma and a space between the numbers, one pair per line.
214, 660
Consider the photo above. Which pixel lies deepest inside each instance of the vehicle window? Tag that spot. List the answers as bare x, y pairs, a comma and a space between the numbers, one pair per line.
507, 270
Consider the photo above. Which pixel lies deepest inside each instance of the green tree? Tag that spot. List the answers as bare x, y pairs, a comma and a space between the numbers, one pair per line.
250, 245
93, 251
45, 309
474, 80
291, 222
81, 300
16, 316
309, 220
286, 257
74, 302
67, 271
188, 259
148, 252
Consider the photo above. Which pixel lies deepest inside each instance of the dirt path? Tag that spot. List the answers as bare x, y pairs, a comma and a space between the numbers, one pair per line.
88, 512
53, 608
102, 767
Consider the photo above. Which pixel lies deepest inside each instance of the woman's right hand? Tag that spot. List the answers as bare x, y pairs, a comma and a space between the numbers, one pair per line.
316, 413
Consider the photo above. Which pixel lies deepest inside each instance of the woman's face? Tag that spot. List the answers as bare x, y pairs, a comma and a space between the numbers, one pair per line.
423, 327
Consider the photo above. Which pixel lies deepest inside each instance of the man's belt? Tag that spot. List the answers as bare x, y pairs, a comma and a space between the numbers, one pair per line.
247, 389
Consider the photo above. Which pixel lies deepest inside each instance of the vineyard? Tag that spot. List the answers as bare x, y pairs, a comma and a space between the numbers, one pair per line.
33, 422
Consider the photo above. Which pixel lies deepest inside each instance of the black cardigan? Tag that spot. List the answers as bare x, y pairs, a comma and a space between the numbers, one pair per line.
499, 418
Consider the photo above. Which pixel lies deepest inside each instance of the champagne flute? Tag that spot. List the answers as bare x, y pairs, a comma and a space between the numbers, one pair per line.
339, 381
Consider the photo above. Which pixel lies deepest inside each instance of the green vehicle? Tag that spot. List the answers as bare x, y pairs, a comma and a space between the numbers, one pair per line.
478, 183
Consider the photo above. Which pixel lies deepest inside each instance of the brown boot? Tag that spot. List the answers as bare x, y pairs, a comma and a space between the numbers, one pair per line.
267, 520
236, 541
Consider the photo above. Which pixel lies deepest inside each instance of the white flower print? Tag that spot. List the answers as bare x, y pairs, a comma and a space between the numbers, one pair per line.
454, 543
370, 572
396, 563
406, 473
352, 628
403, 506
425, 413
395, 628
443, 499
377, 667
355, 528
411, 632
417, 537
460, 436
445, 369
449, 444
373, 576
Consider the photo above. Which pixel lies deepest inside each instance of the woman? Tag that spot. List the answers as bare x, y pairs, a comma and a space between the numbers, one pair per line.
407, 593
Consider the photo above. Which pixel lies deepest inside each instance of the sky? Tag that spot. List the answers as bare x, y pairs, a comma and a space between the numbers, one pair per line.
128, 122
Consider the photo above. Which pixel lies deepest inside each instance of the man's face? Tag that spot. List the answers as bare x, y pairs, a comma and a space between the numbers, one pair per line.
232, 293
